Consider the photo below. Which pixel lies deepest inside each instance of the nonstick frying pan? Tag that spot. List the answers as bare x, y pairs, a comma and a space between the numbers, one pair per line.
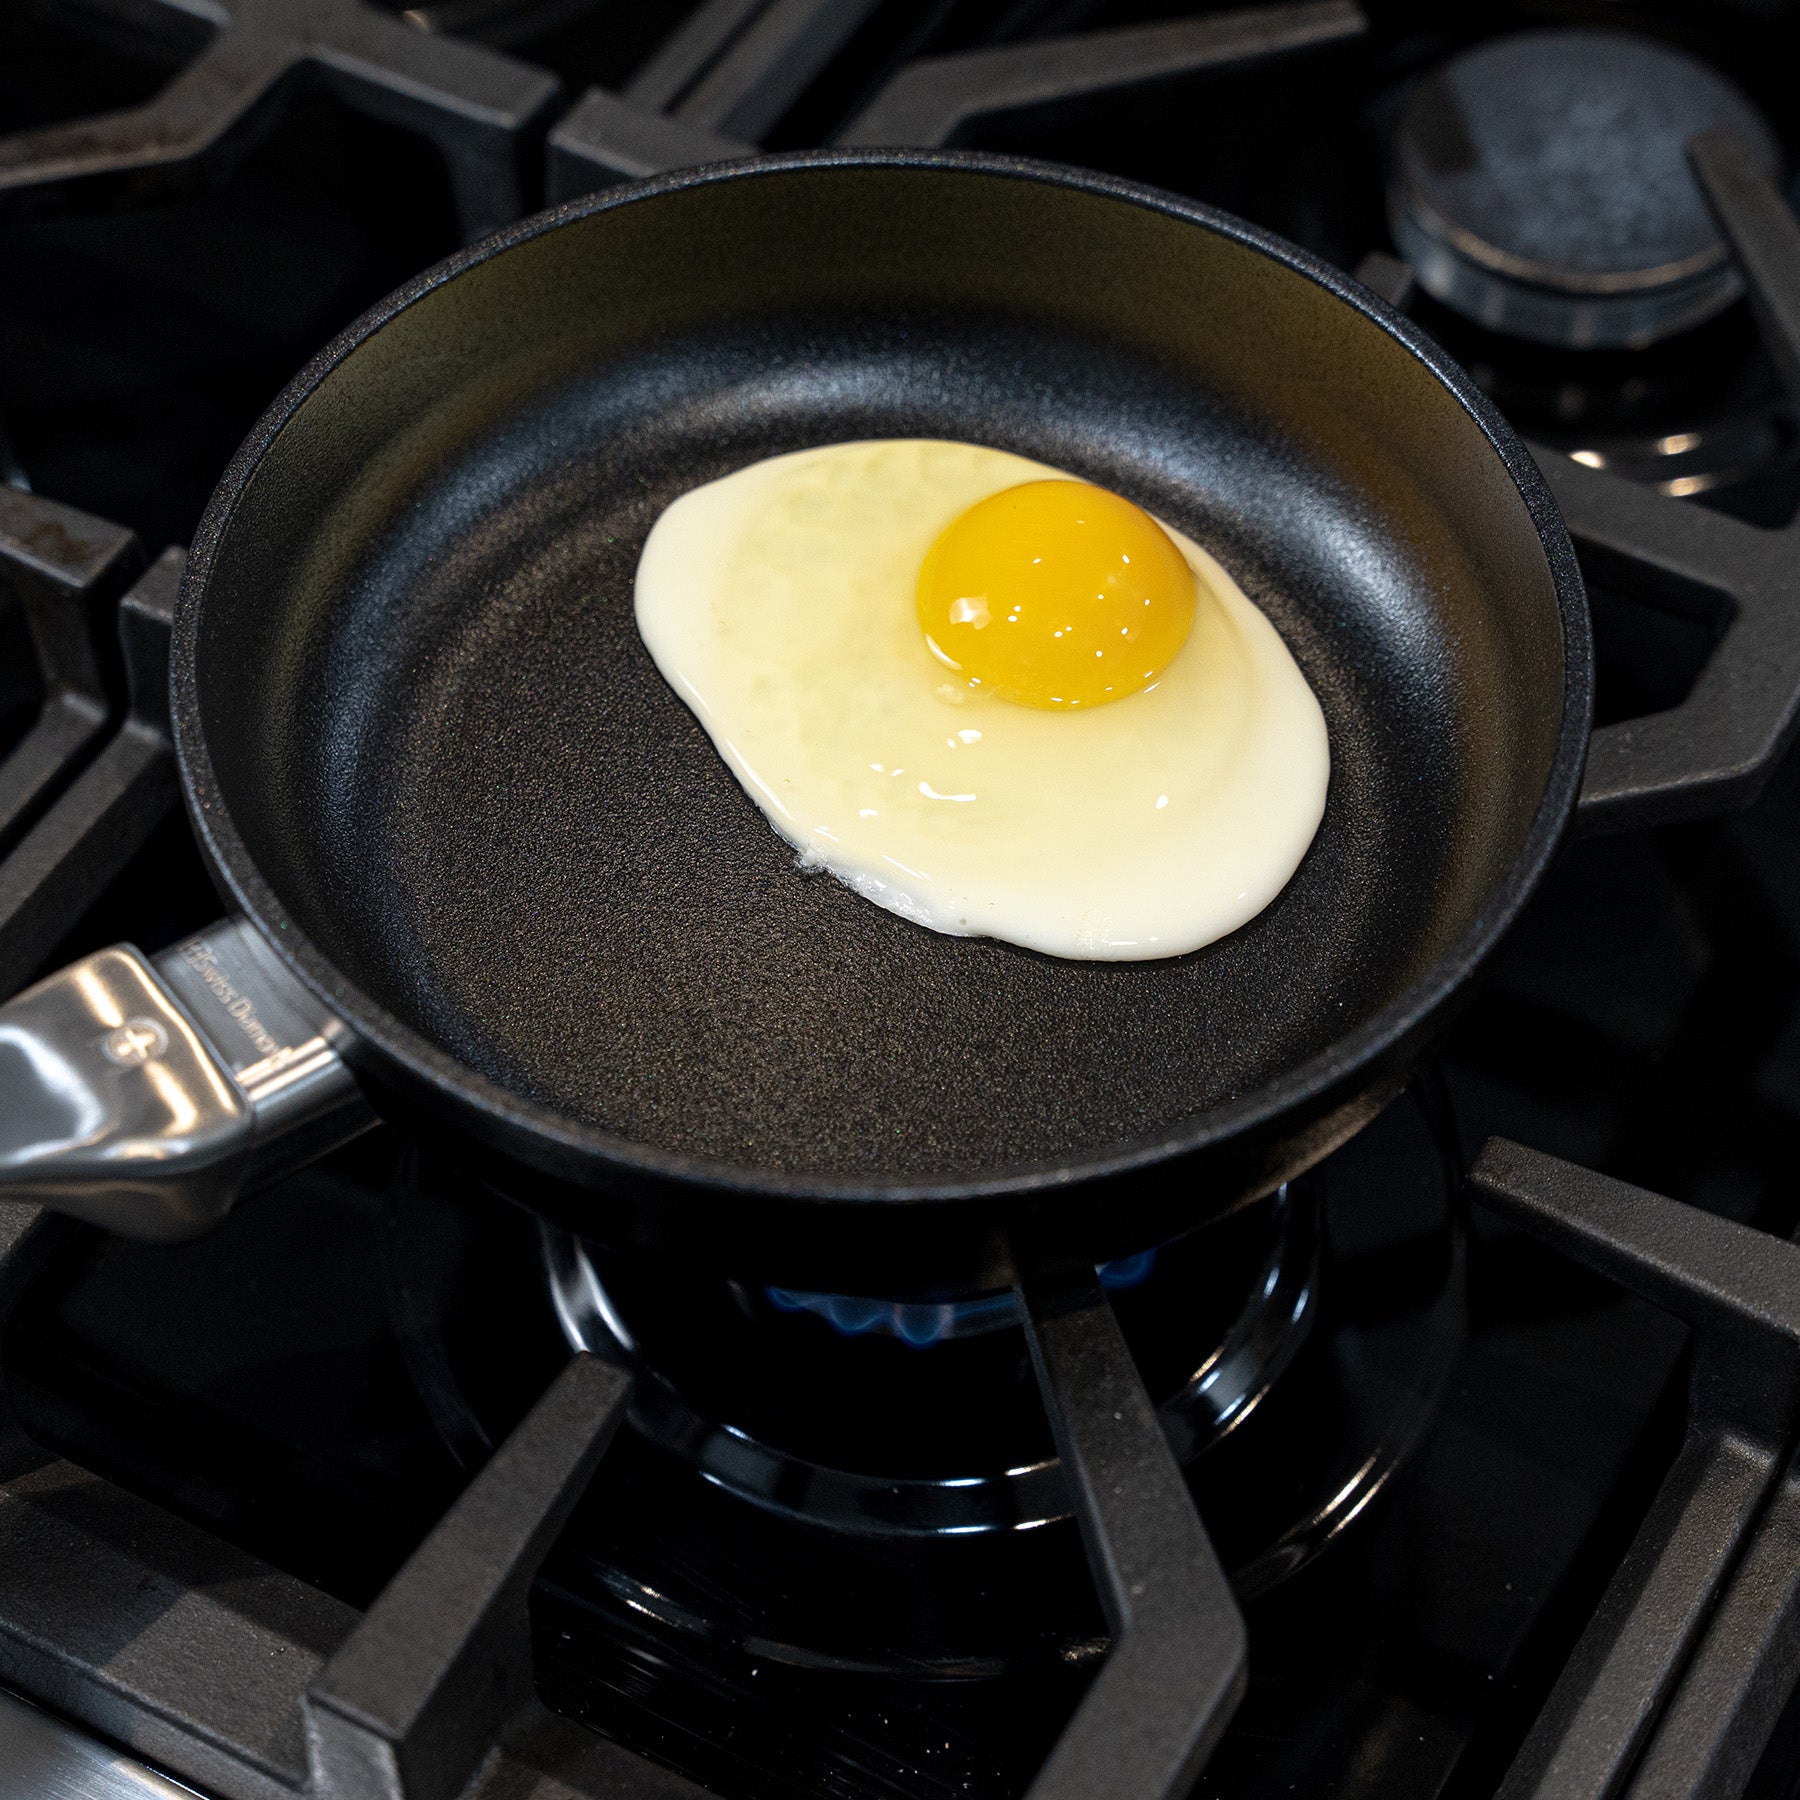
428, 756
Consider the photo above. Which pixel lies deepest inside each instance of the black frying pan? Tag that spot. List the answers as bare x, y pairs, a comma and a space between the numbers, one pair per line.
426, 750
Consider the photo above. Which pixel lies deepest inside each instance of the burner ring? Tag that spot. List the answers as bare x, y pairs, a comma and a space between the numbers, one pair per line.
1539, 186
1260, 1343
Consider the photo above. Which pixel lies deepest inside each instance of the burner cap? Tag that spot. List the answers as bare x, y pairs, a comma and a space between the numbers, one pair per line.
1540, 186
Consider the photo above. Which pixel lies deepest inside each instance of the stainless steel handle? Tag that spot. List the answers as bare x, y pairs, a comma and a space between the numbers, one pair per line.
147, 1096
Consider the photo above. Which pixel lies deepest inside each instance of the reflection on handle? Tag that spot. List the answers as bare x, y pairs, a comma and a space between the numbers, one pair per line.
146, 1097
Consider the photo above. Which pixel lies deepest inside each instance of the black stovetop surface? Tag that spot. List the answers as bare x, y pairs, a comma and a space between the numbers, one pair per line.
1423, 1502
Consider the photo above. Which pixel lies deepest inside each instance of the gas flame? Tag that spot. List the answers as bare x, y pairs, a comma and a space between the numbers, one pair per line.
925, 1322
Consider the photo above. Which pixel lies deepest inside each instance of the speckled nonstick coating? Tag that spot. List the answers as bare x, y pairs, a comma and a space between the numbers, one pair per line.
427, 751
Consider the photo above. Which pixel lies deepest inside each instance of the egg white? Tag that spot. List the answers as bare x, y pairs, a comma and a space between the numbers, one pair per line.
779, 603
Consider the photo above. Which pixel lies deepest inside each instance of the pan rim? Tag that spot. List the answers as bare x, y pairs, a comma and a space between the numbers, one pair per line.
531, 1126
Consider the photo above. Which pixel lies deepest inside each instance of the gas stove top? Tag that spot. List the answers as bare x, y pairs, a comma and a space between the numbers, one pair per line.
386, 1487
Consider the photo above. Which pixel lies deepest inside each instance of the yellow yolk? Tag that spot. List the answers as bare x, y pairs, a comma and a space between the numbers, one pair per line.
1056, 594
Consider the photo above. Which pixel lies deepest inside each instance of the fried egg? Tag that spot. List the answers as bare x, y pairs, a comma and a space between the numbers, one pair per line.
988, 696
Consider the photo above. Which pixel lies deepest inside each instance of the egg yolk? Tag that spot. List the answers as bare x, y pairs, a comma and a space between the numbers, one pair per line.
1056, 594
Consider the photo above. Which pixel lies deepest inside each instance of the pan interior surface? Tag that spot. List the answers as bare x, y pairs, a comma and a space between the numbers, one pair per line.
449, 756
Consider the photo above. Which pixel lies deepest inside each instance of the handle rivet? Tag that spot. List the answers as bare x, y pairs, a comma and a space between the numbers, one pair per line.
134, 1043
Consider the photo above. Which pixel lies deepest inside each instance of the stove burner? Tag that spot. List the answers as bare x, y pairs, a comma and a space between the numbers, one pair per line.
1001, 1479
1540, 187
1311, 1332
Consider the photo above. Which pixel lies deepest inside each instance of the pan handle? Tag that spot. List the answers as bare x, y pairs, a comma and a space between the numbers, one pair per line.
147, 1095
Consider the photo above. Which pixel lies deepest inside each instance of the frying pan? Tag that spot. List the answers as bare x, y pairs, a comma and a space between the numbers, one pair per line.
427, 755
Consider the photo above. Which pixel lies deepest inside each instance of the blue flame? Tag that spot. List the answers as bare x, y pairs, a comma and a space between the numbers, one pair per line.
923, 1322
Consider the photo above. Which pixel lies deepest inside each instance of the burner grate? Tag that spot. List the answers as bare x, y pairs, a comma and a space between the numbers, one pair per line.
60, 573
1176, 1672
1713, 751
479, 107
1683, 1673
942, 100
108, 810
432, 1686
722, 82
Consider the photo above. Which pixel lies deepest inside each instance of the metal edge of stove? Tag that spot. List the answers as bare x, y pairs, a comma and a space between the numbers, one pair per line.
47, 1759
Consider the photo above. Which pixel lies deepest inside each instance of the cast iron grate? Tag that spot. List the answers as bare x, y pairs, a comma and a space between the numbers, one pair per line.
108, 799
60, 573
478, 106
1685, 1669
719, 85
1741, 581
